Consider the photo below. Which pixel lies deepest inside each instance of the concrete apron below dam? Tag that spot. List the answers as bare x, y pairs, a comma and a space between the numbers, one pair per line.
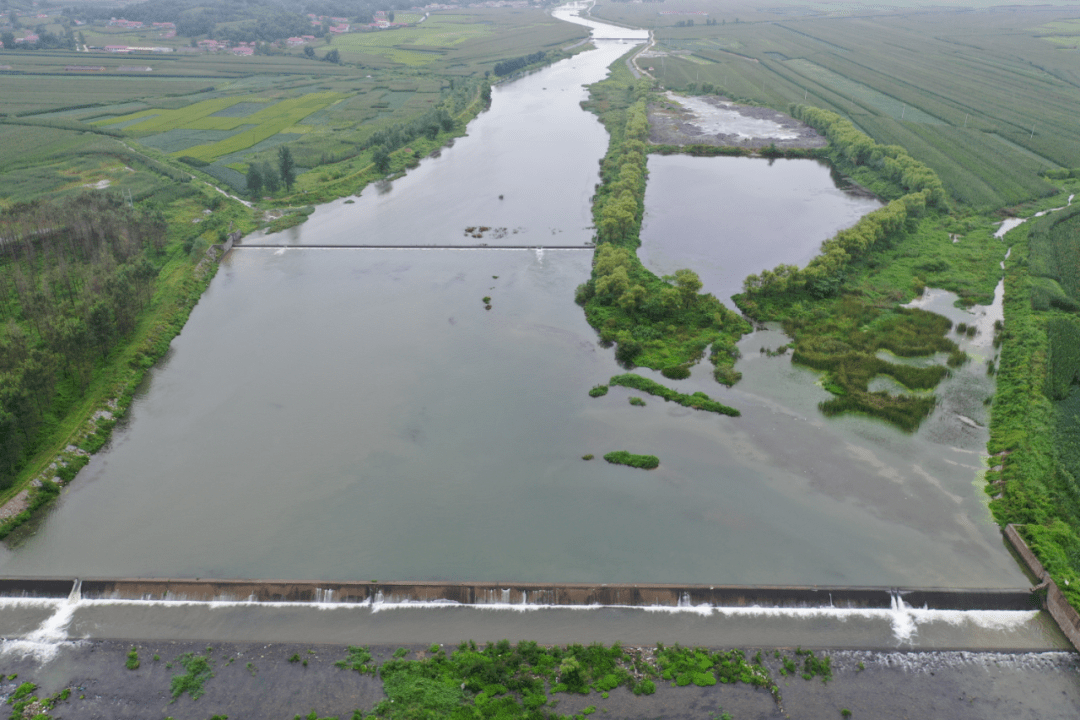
37, 615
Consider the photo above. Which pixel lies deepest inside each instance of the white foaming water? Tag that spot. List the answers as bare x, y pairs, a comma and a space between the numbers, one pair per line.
1007, 225
44, 642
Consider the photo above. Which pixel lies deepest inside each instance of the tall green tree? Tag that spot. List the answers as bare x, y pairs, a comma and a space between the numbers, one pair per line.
254, 179
271, 179
381, 158
286, 166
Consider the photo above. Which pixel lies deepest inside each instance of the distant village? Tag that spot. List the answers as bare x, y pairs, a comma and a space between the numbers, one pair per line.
329, 25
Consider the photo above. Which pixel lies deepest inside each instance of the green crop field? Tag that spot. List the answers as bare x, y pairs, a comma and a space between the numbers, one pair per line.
418, 45
184, 130
981, 98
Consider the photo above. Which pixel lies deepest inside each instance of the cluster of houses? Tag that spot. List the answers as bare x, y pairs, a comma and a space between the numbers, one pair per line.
240, 48
126, 24
168, 29
336, 25
130, 49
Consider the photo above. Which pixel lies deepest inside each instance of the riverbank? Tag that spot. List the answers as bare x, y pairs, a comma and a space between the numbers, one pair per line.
188, 266
280, 680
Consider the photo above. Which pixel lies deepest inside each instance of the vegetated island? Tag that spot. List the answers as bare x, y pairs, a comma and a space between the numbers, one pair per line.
622, 457
697, 400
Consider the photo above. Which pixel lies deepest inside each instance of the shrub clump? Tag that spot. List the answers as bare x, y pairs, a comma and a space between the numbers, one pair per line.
622, 457
676, 372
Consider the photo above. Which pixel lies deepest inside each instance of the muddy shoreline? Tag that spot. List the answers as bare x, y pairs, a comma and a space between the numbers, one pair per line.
258, 681
674, 123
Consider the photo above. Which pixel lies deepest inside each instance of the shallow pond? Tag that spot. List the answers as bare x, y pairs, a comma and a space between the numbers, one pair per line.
729, 217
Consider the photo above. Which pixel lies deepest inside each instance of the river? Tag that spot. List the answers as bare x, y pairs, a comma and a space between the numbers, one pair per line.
359, 414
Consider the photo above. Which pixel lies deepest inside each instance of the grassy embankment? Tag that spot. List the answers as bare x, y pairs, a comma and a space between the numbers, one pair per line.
83, 411
1035, 421
661, 323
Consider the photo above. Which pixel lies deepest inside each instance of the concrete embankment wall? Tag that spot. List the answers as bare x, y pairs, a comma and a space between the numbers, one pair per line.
1064, 615
563, 594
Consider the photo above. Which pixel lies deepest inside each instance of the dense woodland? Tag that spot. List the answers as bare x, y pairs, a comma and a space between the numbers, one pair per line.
74, 274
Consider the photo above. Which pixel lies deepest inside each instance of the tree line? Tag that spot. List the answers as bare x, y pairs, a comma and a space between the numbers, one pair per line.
663, 323
825, 274
74, 274
263, 176
430, 124
509, 66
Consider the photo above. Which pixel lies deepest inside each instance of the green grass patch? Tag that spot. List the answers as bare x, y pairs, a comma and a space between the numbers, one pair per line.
198, 669
622, 457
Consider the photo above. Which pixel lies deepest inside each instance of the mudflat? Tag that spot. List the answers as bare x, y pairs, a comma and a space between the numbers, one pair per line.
716, 120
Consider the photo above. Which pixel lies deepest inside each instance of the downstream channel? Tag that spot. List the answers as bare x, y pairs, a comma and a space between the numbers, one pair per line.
359, 414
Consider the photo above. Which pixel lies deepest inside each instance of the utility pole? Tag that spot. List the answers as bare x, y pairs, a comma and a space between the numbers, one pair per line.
966, 116
903, 112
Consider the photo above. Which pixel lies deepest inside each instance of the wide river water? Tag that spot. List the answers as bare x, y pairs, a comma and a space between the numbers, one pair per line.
358, 414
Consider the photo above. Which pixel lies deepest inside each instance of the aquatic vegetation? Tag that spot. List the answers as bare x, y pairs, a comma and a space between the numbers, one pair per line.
622, 457
588, 456
697, 401
637, 401
852, 362
598, 391
676, 372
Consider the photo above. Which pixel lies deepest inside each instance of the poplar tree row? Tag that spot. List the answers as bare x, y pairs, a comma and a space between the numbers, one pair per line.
825, 274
